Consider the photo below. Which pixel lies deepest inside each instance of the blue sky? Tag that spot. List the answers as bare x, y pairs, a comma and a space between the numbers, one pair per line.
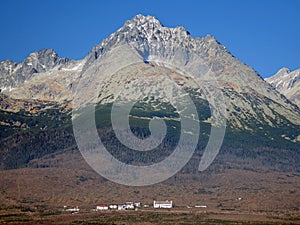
264, 34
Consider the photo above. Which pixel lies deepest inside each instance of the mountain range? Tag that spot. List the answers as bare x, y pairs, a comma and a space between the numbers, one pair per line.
45, 83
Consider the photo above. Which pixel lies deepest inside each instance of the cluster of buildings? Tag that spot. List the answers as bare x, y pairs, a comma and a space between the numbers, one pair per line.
132, 206
135, 205
126, 206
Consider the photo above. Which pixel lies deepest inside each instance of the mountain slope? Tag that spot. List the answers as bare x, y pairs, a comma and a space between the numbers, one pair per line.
287, 83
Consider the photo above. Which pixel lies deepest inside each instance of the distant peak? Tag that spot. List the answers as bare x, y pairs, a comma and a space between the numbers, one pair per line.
283, 71
44, 53
48, 52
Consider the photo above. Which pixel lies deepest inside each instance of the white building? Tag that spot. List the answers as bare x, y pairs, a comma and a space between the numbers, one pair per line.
101, 207
129, 205
121, 207
138, 204
163, 204
76, 209
113, 206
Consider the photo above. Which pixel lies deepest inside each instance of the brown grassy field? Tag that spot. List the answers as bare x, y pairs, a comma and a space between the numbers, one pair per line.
178, 216
37, 194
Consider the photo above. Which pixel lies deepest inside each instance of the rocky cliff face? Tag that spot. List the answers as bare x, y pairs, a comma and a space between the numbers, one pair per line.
287, 83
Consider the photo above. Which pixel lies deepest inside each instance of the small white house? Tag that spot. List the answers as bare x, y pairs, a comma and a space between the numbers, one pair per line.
163, 204
101, 207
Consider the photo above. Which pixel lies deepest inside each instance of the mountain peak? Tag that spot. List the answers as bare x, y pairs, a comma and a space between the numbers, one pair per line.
149, 26
283, 71
150, 22
42, 55
147, 33
140, 20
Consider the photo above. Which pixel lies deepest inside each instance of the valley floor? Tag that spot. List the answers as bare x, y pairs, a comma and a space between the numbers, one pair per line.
37, 195
158, 216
